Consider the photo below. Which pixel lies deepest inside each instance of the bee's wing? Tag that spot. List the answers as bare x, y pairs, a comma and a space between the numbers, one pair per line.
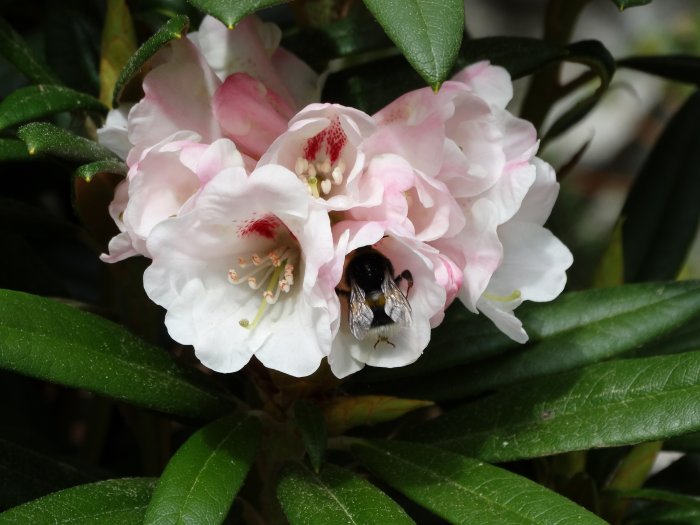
396, 306
360, 313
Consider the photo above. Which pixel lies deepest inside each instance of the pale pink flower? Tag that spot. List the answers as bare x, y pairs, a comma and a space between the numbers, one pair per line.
323, 146
238, 273
198, 83
160, 185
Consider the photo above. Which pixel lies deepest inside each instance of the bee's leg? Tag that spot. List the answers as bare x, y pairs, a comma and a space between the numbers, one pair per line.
408, 277
381, 339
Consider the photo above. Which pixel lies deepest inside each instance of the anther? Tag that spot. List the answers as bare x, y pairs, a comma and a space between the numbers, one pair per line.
326, 186
301, 166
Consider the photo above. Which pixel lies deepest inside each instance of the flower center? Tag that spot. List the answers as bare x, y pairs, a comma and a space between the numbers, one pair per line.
273, 273
321, 166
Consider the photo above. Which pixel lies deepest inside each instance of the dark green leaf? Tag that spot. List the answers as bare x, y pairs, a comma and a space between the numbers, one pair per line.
13, 150
36, 102
345, 412
594, 55
27, 474
43, 138
15, 50
48, 340
88, 171
685, 443
428, 33
334, 496
465, 490
624, 4
608, 404
665, 515
667, 307
71, 46
661, 215
576, 329
368, 87
174, 28
681, 68
230, 12
521, 56
111, 502
312, 426
660, 495
202, 478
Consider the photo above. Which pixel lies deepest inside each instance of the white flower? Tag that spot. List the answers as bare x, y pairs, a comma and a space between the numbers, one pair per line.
238, 273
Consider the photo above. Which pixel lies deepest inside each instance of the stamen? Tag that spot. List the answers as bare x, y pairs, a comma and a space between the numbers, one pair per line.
324, 167
337, 175
326, 186
242, 262
300, 166
311, 172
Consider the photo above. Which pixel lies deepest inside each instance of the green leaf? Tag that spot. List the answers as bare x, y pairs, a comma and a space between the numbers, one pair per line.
681, 68
118, 44
610, 270
661, 215
36, 102
521, 56
334, 496
465, 490
43, 138
608, 404
596, 56
202, 478
624, 4
111, 502
314, 434
15, 50
659, 495
13, 150
343, 413
27, 474
88, 171
173, 29
230, 12
665, 515
51, 341
576, 329
685, 443
623, 330
428, 33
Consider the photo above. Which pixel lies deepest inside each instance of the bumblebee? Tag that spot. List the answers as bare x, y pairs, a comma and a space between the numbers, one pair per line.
376, 303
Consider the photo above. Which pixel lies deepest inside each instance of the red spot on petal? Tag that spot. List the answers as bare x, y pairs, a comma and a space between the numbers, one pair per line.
266, 227
333, 138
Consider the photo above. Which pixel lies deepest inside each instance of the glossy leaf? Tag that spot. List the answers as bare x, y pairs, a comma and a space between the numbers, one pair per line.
111, 502
666, 515
174, 28
428, 33
118, 44
51, 341
589, 326
343, 413
667, 307
624, 4
202, 478
465, 490
334, 496
681, 68
615, 403
36, 102
16, 52
596, 56
27, 474
43, 138
13, 150
309, 420
610, 270
521, 56
661, 215
230, 12
88, 171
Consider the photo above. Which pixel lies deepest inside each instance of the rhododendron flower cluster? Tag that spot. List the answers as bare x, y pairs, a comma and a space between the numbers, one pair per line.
292, 230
